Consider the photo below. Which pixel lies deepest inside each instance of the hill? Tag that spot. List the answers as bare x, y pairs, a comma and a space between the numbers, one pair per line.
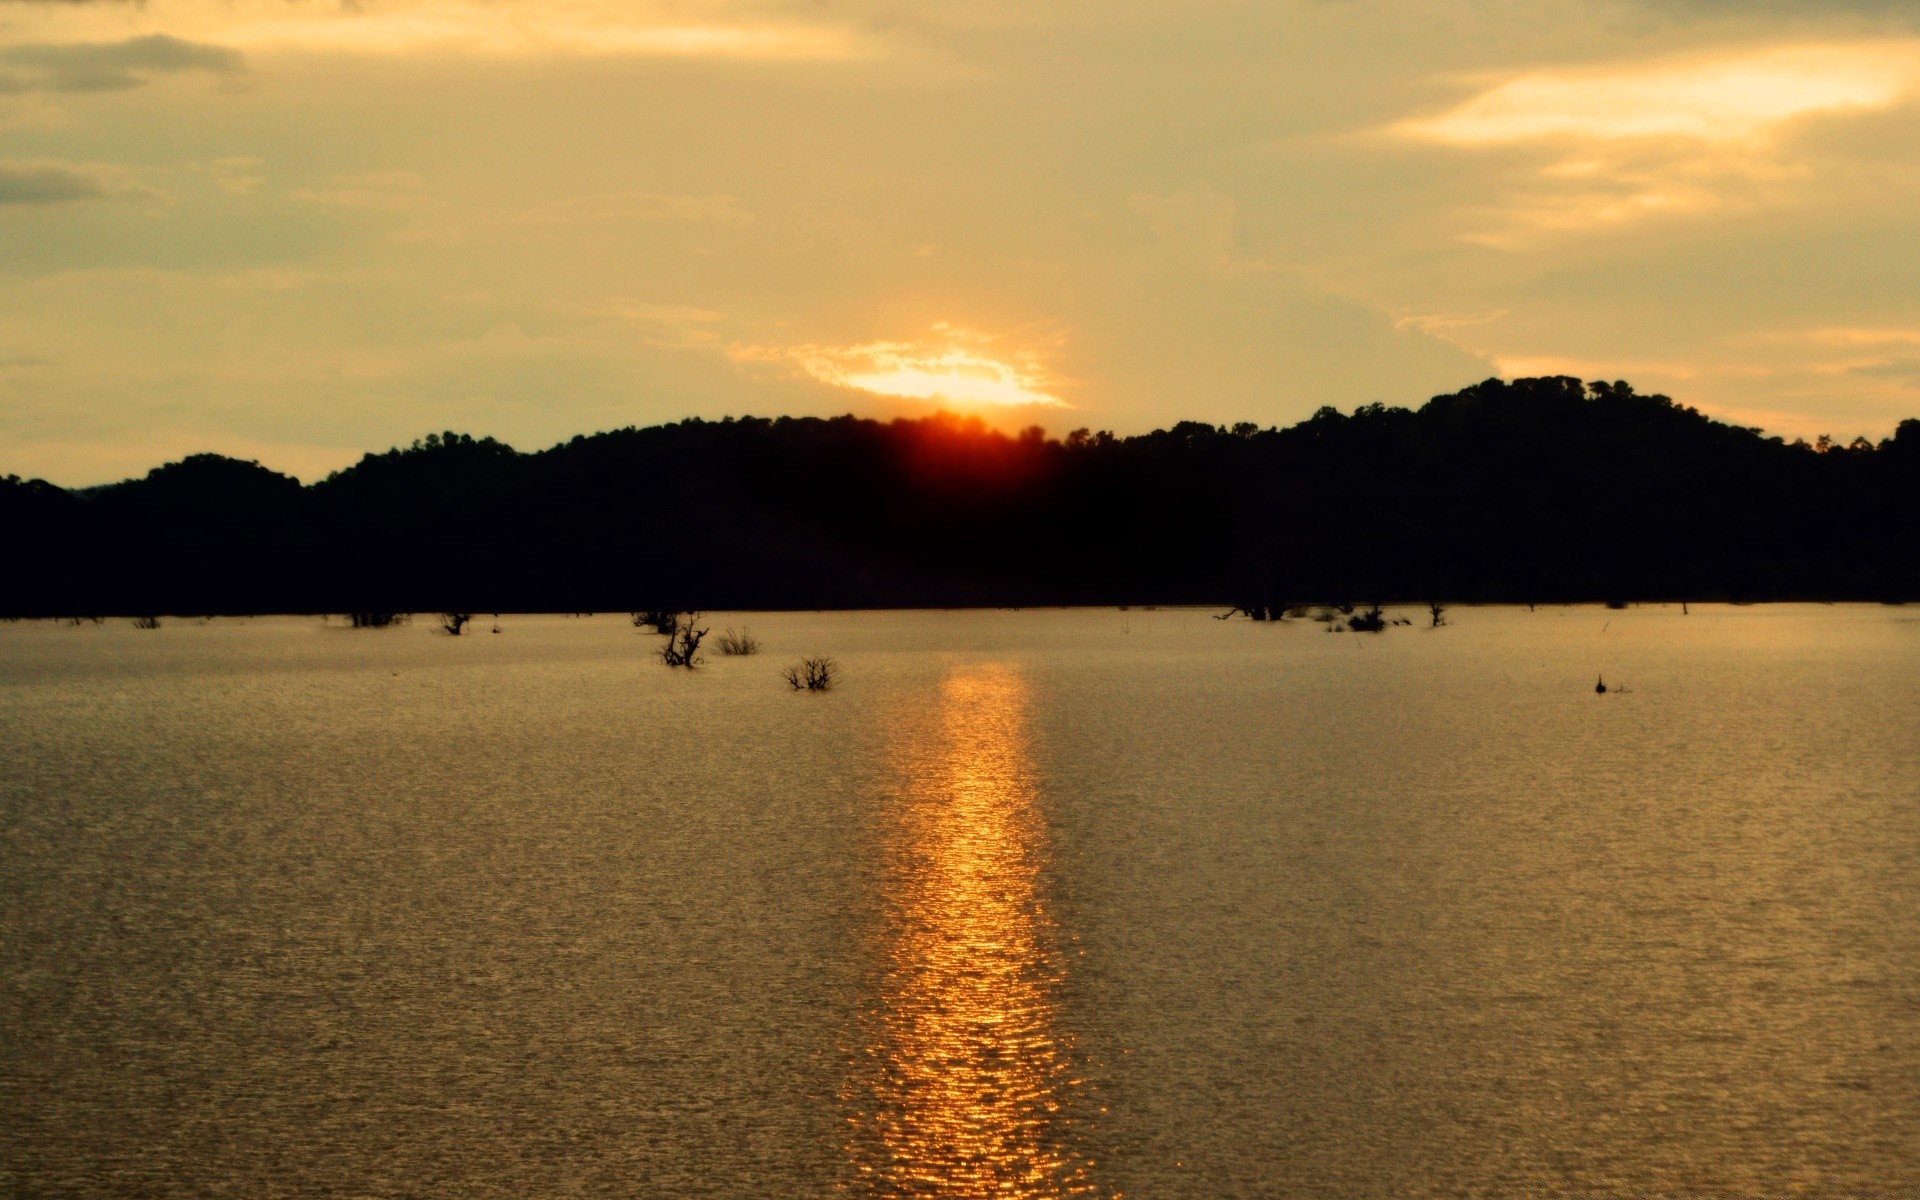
1533, 490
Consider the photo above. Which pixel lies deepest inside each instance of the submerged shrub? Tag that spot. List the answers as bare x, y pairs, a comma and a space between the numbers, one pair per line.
735, 644
816, 674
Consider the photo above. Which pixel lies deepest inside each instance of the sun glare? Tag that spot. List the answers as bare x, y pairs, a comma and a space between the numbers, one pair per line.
955, 375
952, 365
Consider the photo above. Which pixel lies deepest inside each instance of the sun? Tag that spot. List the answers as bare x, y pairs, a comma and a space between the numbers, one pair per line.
960, 376
951, 364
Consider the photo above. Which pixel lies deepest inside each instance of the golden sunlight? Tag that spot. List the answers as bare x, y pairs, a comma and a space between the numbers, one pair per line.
966, 1087
1731, 98
1675, 138
952, 364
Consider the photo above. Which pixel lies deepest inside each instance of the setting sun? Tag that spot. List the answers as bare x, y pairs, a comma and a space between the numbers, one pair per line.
951, 364
955, 375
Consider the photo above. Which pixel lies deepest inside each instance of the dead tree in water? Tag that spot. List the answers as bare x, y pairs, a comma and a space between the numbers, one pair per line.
661, 621
1439, 613
683, 644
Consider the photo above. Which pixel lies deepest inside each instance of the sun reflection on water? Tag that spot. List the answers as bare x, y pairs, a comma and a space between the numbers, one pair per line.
968, 1081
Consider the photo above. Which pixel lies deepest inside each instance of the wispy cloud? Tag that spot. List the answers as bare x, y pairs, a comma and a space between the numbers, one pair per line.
669, 326
641, 206
47, 183
1523, 366
1201, 220
113, 66
1737, 98
374, 191
1853, 336
573, 27
1687, 136
1888, 352
237, 175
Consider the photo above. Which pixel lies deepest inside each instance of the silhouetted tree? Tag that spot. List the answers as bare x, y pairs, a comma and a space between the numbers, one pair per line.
683, 644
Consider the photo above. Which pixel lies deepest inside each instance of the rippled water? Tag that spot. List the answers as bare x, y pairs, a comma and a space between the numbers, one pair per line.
1036, 904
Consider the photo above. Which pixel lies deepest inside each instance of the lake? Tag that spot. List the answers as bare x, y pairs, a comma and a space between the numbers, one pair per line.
1033, 904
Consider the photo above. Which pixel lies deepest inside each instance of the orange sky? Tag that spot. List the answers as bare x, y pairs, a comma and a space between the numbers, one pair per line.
296, 230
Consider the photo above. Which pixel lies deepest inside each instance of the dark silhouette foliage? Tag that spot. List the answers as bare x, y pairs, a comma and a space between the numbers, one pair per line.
1370, 620
1528, 491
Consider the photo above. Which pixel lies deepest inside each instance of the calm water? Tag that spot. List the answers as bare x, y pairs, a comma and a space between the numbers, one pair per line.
1036, 904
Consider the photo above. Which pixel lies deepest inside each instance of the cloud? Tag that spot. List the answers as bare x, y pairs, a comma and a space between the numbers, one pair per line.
45, 183
372, 191
1672, 137
567, 27
641, 206
1202, 221
1777, 8
237, 175
1735, 98
1851, 336
1865, 351
1520, 366
705, 30
113, 66
1904, 370
669, 326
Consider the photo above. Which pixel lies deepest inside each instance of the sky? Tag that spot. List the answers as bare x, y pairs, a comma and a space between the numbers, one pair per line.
299, 230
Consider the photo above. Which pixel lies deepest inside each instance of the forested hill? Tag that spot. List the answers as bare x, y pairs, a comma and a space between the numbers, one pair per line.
1529, 491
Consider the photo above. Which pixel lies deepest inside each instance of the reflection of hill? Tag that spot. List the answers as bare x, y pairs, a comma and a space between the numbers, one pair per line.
1540, 489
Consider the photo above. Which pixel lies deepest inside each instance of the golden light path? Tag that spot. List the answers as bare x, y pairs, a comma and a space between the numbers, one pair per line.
967, 1085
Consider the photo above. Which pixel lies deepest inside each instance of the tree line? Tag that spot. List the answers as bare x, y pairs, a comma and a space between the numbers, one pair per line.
1531, 491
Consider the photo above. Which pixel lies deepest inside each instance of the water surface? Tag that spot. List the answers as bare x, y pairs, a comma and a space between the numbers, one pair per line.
1035, 904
